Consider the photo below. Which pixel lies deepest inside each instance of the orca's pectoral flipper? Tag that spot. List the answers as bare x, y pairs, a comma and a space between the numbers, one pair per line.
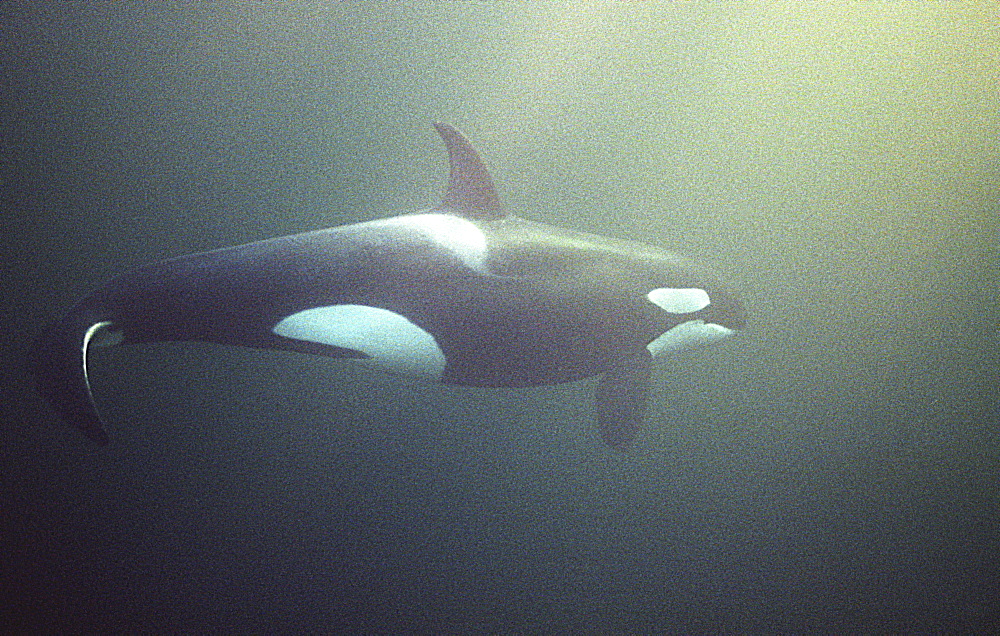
58, 361
622, 396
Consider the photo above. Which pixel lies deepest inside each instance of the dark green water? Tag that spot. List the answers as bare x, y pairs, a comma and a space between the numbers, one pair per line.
833, 469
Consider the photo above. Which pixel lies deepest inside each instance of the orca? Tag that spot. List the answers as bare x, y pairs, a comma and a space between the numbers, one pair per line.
464, 293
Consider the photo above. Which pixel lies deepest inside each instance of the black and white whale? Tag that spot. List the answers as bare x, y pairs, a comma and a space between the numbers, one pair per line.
463, 293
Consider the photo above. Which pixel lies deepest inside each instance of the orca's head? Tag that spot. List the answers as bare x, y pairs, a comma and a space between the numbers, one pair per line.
694, 316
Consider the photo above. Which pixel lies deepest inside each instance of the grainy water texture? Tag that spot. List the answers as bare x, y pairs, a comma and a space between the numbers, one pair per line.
833, 468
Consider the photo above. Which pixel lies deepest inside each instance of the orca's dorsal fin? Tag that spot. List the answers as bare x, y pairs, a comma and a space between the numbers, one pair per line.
470, 188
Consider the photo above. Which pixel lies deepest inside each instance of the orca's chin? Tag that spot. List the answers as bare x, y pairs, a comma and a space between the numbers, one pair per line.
688, 335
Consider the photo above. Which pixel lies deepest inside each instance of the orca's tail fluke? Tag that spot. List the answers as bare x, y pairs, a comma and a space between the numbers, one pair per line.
58, 362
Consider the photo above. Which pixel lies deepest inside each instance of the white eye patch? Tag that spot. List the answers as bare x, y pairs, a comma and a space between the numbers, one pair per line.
679, 301
389, 339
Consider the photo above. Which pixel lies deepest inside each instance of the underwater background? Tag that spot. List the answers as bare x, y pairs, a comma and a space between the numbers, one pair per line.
834, 468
